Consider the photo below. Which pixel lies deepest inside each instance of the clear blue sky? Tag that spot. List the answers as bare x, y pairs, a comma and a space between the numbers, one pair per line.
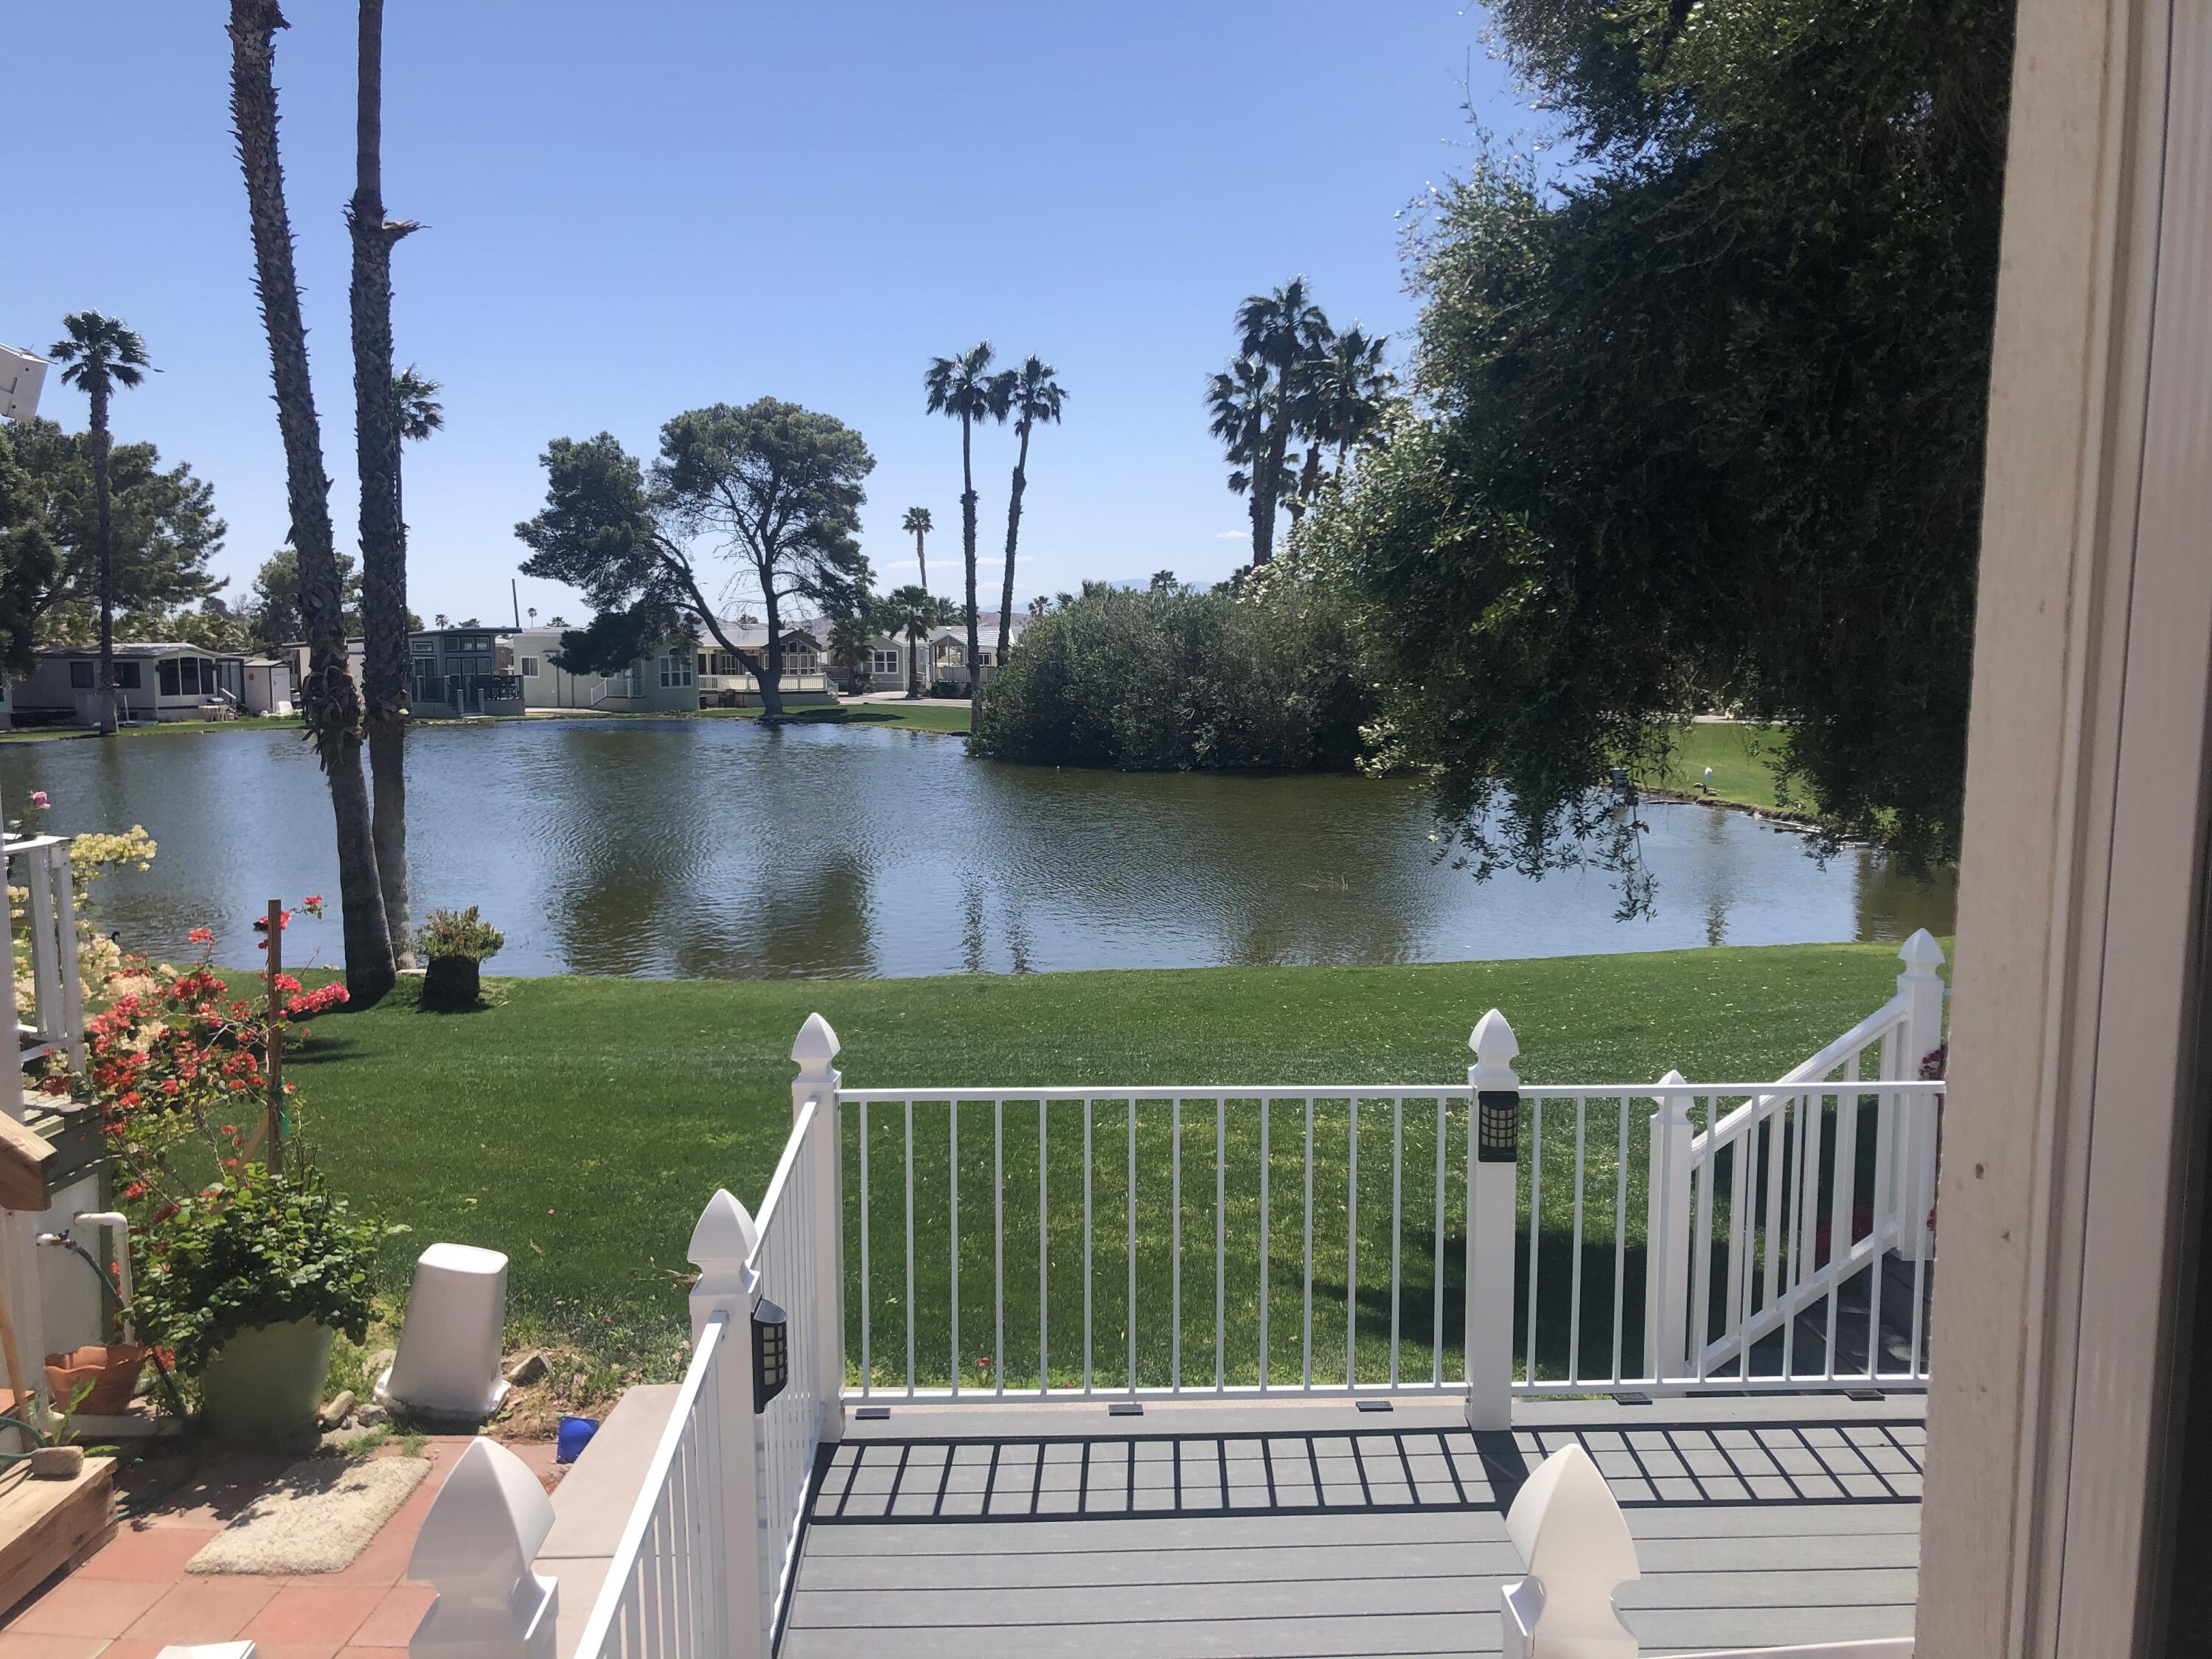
636, 209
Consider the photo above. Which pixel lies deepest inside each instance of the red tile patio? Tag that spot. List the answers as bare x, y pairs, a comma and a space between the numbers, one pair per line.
133, 1597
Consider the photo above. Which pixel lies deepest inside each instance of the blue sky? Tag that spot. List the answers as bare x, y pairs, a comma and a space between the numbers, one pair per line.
636, 209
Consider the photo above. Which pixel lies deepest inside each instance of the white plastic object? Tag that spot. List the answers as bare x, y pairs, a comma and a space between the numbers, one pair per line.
208, 1651
1569, 1529
448, 1357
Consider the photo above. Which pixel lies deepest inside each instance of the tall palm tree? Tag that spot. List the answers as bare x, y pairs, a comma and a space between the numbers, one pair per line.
913, 612
328, 700
414, 401
1036, 396
1240, 400
1339, 402
1285, 331
917, 523
102, 353
386, 660
964, 388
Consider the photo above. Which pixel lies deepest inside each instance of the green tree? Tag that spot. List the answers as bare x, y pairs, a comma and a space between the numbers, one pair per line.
330, 701
1700, 422
1035, 396
29, 562
963, 388
913, 611
99, 353
1346, 390
777, 486
853, 637
163, 527
272, 606
386, 657
917, 524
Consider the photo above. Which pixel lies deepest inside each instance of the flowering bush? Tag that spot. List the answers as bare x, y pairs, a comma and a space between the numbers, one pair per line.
175, 1058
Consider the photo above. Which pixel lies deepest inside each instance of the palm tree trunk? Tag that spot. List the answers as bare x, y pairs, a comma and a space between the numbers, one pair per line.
329, 701
104, 507
921, 557
913, 662
1013, 534
968, 543
383, 533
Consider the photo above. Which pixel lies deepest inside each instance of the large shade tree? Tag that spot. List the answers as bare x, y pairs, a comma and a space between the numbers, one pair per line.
1701, 421
163, 530
774, 488
963, 388
330, 701
1035, 396
387, 659
99, 353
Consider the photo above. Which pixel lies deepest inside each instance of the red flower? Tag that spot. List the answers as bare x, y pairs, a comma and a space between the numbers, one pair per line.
202, 936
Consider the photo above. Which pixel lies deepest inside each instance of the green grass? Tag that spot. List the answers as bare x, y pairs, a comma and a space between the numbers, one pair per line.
1740, 755
914, 716
155, 728
578, 1125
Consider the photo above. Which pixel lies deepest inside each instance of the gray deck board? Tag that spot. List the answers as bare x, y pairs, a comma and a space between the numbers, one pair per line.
981, 1555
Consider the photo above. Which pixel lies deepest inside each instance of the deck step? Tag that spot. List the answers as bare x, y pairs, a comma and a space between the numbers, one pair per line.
594, 1501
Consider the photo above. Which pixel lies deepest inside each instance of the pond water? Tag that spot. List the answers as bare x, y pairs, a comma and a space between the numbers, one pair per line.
725, 848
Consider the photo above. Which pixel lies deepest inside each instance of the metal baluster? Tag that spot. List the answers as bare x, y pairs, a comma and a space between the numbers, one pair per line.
1575, 1274
1620, 1236
1437, 1274
999, 1246
1701, 1251
1397, 1219
1133, 1244
1535, 1214
868, 1365
1352, 1252
1842, 1190
1884, 1164
952, 1112
1266, 1176
1740, 1231
1086, 1244
1044, 1258
909, 1247
1175, 1235
1923, 1199
1309, 1231
1220, 1238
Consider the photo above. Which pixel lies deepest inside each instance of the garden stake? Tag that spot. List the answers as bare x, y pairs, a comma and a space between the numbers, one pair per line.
273, 1121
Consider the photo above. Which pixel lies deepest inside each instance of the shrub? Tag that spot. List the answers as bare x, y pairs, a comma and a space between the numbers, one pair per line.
255, 1249
462, 934
1173, 679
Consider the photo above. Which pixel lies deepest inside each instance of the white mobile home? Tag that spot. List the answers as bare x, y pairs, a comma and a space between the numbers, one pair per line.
153, 681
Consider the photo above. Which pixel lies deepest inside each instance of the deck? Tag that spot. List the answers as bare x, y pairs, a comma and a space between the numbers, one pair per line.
1313, 1528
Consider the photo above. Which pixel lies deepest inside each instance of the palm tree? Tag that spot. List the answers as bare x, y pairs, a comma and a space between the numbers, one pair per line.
330, 703
1036, 396
851, 639
419, 414
914, 611
917, 523
963, 388
1240, 400
102, 353
1342, 399
1285, 331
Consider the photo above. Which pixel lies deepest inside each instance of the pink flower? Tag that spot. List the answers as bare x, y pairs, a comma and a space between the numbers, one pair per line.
38, 799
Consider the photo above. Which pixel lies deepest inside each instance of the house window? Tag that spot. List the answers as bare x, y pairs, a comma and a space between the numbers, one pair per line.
126, 676
166, 672
882, 662
81, 676
530, 668
799, 661
675, 669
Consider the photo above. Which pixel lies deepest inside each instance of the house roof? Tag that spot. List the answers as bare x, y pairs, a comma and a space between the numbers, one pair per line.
143, 649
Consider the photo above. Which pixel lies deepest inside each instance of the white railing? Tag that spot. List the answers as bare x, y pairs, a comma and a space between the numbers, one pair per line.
40, 864
1335, 1239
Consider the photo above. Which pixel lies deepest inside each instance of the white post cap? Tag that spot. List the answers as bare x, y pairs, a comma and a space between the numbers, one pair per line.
484, 1530
816, 1045
1921, 953
1495, 1048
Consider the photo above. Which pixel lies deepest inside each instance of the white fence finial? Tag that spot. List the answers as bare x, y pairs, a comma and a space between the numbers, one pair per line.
1495, 1049
816, 1045
1921, 954
722, 1241
1569, 1530
476, 1545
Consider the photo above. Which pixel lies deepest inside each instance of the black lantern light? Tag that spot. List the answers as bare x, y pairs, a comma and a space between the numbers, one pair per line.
1497, 1113
771, 1353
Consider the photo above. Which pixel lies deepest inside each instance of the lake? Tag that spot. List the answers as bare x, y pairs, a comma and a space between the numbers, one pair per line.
727, 850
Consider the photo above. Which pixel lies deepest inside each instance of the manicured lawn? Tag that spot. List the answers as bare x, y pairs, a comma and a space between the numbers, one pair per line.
157, 728
580, 1124
914, 716
1740, 755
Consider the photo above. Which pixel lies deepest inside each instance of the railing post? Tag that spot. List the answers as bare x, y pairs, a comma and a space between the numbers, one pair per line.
1492, 1199
1568, 1527
1921, 988
477, 1547
721, 1245
818, 1081
72, 970
1668, 1225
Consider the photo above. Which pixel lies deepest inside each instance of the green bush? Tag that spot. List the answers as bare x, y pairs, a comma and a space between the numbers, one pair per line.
1173, 679
255, 1249
461, 933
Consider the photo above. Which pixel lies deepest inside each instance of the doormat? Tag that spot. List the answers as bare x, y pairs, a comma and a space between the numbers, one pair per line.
320, 1515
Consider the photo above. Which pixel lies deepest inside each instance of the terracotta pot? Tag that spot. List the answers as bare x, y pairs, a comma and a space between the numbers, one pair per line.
112, 1369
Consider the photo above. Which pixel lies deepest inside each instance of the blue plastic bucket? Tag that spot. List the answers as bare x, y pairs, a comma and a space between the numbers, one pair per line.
576, 1433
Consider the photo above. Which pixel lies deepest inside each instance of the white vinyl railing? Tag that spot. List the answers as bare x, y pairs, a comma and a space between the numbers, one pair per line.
40, 865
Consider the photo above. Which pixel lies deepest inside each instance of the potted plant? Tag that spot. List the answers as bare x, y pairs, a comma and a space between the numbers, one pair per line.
455, 944
250, 1283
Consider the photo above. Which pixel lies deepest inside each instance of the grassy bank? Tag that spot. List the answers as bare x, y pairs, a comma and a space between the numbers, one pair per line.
1740, 756
913, 716
578, 1124
157, 728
